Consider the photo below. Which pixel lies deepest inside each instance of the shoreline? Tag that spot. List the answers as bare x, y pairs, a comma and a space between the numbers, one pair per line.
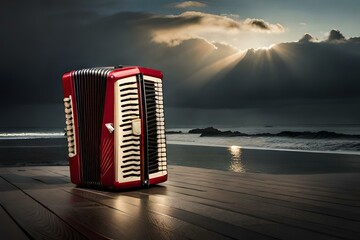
237, 159
62, 141
261, 148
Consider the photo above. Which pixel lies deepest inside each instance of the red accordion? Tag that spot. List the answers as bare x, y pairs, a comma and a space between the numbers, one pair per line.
115, 126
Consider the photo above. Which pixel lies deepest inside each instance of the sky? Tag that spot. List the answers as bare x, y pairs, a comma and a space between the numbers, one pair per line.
224, 62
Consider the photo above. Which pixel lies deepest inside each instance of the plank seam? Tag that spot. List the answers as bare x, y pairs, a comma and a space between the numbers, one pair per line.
21, 190
262, 218
17, 224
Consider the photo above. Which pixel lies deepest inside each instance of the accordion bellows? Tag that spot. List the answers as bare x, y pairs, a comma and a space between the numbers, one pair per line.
115, 127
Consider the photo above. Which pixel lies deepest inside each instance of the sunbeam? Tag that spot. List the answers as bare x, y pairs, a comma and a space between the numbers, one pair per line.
220, 68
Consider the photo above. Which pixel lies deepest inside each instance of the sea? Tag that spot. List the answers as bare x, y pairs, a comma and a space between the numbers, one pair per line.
265, 154
347, 144
181, 136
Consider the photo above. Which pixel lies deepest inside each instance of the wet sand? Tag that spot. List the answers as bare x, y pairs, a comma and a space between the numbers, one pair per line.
27, 152
264, 161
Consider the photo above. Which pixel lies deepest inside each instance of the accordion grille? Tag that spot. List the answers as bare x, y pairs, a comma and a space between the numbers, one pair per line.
90, 88
155, 125
129, 114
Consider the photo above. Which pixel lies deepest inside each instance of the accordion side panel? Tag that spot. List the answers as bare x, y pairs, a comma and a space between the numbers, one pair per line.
127, 143
71, 127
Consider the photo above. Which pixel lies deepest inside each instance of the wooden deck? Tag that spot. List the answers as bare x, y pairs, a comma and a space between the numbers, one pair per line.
40, 203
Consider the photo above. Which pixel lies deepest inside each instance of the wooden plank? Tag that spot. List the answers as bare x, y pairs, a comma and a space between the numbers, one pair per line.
354, 201
336, 181
277, 199
196, 219
245, 221
281, 182
8, 227
166, 216
281, 196
310, 178
167, 222
94, 220
41, 174
197, 203
162, 219
212, 224
278, 213
233, 180
327, 211
324, 182
247, 184
262, 193
36, 220
303, 188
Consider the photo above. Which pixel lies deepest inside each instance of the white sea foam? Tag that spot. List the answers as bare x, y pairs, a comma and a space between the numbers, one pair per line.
30, 135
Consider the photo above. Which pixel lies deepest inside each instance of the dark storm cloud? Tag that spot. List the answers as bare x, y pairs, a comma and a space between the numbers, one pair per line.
287, 74
259, 23
42, 41
174, 29
39, 46
307, 38
354, 39
335, 35
51, 6
262, 25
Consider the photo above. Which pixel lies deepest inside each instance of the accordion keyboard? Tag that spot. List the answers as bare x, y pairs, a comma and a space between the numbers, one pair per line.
128, 145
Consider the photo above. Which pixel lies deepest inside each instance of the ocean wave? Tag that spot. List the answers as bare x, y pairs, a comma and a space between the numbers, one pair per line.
30, 135
351, 145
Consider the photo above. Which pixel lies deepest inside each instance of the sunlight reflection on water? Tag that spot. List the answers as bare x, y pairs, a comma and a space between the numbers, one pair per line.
235, 163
